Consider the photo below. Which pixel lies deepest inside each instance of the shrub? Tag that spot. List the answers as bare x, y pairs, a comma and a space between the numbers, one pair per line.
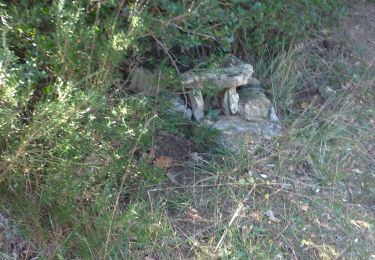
67, 138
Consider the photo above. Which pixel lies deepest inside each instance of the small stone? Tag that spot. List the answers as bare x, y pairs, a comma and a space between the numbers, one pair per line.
230, 101
197, 104
180, 107
273, 117
142, 80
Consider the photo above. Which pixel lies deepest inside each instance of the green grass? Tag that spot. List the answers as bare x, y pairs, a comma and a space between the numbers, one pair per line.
77, 178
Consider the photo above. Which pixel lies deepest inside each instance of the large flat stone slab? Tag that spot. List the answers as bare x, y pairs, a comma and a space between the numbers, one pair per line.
234, 125
220, 79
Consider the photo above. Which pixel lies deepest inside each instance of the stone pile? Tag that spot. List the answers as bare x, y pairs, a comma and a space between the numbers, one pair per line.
239, 102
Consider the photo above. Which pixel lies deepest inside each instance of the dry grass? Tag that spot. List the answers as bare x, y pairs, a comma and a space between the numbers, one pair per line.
306, 194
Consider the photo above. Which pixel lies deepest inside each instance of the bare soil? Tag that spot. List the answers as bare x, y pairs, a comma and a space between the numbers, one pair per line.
361, 28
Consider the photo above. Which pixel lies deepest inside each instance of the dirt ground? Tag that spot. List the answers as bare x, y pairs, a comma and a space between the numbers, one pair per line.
361, 28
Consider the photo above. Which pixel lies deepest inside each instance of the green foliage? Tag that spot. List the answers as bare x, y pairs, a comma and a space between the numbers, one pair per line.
67, 142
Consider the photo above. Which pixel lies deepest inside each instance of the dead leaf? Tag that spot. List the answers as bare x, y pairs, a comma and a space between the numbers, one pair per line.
163, 162
272, 217
361, 224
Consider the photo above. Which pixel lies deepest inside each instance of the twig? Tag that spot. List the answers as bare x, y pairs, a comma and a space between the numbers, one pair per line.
172, 60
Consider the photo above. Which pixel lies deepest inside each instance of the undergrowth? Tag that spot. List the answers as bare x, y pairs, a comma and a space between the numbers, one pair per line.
76, 176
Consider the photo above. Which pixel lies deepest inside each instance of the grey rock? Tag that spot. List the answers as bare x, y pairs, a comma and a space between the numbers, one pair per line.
248, 112
240, 135
229, 102
220, 79
180, 107
142, 80
253, 104
273, 117
197, 103
234, 125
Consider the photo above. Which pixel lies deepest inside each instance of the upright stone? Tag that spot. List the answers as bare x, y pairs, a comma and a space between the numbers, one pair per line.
197, 103
230, 101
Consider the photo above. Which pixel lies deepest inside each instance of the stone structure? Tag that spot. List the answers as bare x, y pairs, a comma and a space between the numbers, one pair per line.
244, 109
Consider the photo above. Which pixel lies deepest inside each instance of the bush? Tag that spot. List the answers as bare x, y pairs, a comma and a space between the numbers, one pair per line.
67, 138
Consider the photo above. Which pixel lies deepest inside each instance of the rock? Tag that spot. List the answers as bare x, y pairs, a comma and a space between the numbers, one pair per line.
234, 126
229, 102
273, 117
180, 107
142, 80
239, 134
197, 104
253, 104
236, 92
221, 78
